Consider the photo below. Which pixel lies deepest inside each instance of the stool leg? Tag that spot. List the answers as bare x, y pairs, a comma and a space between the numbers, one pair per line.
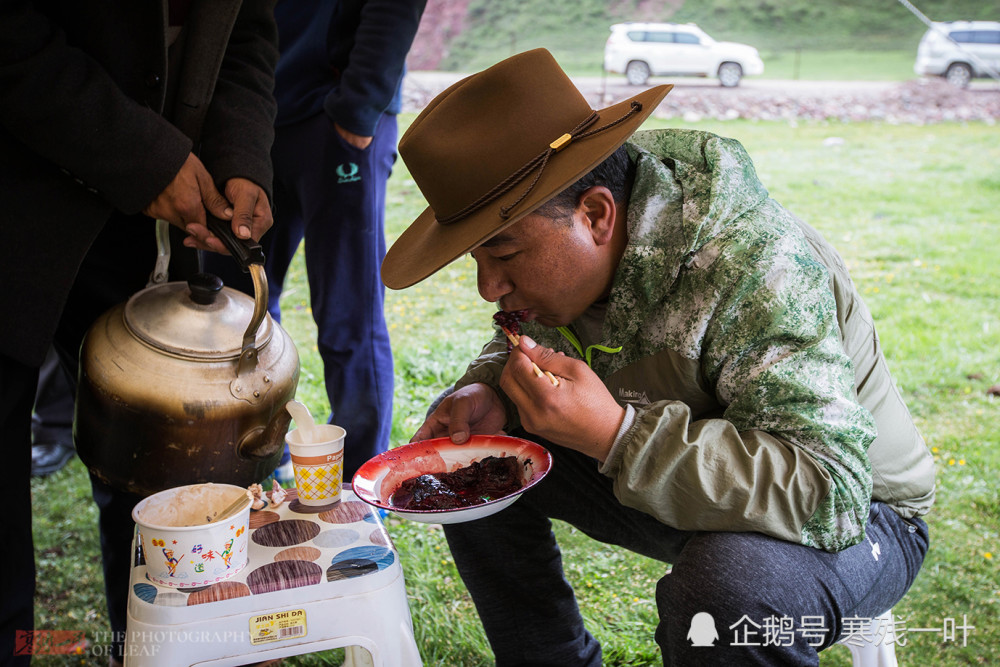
357, 656
881, 654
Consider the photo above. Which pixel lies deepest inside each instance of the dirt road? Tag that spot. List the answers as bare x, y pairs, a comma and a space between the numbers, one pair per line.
917, 101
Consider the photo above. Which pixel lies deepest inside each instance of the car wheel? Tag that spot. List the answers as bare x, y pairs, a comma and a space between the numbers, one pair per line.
959, 75
730, 74
637, 72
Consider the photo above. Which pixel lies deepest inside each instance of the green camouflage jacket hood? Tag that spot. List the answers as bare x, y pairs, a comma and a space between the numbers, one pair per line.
735, 333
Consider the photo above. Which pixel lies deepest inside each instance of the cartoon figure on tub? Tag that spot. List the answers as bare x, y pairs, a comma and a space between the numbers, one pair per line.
228, 552
170, 561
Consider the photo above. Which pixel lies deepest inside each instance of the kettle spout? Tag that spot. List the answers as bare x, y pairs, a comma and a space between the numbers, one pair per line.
263, 442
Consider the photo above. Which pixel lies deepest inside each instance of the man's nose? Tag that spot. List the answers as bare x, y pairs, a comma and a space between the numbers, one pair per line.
493, 284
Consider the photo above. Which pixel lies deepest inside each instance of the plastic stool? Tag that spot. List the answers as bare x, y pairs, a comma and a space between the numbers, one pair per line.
317, 579
876, 646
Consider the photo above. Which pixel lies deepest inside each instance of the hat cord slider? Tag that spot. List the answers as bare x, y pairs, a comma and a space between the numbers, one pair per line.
536, 163
635, 108
561, 143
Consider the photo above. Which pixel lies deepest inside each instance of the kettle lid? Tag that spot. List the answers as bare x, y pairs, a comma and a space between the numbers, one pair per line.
198, 319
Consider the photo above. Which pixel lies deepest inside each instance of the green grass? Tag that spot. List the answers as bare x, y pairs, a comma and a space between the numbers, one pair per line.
845, 65
913, 210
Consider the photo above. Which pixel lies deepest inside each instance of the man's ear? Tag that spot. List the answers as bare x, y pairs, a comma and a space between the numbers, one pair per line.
598, 205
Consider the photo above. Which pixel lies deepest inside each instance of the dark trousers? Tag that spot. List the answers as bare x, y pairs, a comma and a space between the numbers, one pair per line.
332, 195
52, 421
118, 265
17, 568
512, 566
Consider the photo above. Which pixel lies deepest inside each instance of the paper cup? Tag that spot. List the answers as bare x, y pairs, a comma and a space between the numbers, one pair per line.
318, 463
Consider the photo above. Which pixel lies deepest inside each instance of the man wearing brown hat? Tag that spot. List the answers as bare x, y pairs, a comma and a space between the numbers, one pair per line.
722, 404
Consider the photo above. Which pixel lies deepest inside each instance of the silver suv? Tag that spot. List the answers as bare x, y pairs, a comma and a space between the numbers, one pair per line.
642, 50
959, 51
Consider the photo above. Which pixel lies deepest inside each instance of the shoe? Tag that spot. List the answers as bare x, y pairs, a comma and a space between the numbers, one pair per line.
48, 458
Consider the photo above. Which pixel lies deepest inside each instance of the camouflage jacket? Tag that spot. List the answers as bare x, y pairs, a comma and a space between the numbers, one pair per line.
735, 332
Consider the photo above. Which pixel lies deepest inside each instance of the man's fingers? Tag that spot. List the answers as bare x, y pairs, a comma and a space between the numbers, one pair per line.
461, 412
425, 432
251, 210
213, 200
545, 362
436, 425
244, 204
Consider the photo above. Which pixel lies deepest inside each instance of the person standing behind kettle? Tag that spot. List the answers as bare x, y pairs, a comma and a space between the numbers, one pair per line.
101, 132
338, 84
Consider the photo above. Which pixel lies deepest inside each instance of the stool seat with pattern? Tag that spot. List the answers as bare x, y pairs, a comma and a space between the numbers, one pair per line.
318, 578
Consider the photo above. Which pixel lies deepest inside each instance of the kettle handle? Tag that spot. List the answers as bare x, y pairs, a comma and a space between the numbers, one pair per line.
250, 256
244, 251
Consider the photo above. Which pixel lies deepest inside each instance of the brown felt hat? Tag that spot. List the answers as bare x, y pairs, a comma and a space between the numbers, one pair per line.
495, 146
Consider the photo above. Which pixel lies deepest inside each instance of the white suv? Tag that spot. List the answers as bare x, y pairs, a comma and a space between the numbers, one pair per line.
642, 50
959, 51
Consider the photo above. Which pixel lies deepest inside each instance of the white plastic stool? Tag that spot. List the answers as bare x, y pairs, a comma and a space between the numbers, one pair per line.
316, 580
876, 647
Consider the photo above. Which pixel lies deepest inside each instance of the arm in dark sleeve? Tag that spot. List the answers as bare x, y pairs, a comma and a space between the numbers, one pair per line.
239, 126
376, 66
65, 107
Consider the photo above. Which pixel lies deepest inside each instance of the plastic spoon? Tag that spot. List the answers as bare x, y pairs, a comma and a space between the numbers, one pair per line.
303, 419
235, 507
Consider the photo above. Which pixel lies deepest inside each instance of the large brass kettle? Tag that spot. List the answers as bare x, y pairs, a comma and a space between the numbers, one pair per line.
185, 383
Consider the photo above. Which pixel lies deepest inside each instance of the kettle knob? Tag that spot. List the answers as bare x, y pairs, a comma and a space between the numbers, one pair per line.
205, 287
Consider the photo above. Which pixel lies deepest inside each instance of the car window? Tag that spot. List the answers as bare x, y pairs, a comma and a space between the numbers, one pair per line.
636, 35
687, 38
659, 36
963, 36
987, 36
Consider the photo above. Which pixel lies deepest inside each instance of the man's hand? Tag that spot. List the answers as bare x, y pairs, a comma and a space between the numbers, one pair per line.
184, 201
475, 408
250, 213
580, 413
192, 192
251, 208
358, 141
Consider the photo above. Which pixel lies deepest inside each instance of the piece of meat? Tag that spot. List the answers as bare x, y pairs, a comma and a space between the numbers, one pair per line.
510, 323
488, 479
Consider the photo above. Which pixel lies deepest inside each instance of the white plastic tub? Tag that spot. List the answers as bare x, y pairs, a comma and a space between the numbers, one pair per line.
184, 546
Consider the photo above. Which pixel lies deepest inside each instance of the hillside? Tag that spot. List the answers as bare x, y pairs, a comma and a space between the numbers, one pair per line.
465, 35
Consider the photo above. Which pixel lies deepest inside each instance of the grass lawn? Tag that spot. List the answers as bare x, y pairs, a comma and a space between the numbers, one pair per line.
839, 65
913, 210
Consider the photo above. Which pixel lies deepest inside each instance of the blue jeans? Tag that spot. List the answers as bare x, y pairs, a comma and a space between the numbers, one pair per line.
512, 566
332, 195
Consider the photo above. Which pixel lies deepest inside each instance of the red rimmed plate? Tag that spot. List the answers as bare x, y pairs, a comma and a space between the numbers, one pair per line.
378, 478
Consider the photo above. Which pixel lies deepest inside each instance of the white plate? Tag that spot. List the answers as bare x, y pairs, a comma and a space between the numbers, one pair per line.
378, 478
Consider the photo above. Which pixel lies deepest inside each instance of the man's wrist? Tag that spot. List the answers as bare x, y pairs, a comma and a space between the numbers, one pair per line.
627, 422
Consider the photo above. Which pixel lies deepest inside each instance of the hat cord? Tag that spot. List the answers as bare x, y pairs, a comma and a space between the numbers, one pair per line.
538, 164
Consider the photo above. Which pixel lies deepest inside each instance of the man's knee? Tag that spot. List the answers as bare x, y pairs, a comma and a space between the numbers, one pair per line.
739, 588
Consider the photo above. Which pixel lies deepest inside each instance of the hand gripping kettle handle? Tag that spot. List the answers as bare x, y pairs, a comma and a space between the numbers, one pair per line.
244, 251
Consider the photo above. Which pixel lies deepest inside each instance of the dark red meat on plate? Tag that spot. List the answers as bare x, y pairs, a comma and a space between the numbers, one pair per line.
493, 477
